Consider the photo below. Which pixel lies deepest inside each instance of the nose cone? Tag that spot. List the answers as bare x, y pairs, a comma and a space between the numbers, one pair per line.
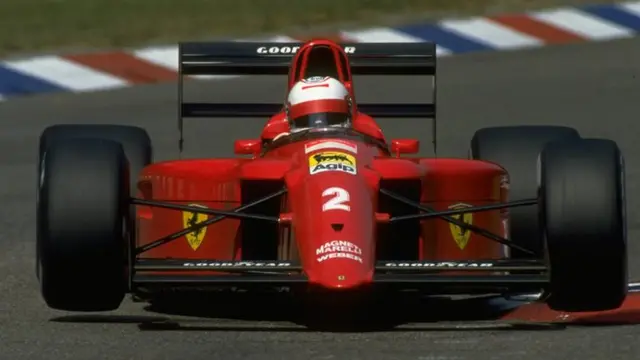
339, 265
334, 228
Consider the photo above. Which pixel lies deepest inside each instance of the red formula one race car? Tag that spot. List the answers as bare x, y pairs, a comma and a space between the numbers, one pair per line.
329, 211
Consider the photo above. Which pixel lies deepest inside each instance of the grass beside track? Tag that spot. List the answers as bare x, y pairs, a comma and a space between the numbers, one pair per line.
44, 25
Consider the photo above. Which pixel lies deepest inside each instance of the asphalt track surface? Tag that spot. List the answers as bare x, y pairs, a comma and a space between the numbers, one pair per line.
594, 87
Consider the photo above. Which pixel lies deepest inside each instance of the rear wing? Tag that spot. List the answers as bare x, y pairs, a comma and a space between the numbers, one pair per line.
253, 58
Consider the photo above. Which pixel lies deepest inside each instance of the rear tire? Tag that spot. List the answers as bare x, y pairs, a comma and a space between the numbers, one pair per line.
82, 225
583, 217
134, 140
516, 149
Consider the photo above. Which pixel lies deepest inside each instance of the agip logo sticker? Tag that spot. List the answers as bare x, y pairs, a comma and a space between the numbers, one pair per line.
332, 161
461, 236
190, 219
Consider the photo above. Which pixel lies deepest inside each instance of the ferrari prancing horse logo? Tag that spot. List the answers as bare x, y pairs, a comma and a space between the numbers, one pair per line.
189, 219
460, 235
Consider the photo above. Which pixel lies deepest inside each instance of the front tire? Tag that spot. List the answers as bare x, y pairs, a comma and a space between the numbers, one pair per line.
82, 225
583, 218
135, 142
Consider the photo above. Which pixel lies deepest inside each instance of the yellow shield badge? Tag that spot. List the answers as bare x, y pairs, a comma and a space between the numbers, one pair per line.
460, 235
189, 219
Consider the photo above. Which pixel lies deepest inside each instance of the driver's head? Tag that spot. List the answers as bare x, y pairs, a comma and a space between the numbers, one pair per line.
318, 102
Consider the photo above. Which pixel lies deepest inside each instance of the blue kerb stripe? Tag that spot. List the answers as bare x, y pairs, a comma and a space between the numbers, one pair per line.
615, 15
15, 83
442, 37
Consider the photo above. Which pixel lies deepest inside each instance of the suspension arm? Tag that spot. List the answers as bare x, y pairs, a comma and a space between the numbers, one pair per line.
475, 209
482, 232
222, 215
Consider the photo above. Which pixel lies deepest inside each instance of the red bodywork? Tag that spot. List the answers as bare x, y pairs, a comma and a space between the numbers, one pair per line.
337, 248
227, 183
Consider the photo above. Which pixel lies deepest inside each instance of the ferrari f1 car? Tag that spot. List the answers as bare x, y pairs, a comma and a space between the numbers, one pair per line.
532, 208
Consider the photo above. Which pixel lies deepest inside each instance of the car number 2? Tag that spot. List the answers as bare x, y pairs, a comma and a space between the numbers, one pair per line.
338, 200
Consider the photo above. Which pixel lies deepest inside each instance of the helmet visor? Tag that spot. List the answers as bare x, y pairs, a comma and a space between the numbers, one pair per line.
319, 120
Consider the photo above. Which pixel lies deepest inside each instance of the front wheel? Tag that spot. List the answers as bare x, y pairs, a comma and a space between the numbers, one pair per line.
583, 218
82, 225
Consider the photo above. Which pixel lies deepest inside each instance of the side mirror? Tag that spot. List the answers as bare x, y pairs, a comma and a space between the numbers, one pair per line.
405, 146
247, 147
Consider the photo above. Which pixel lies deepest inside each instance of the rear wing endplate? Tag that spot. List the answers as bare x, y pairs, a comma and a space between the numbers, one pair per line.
255, 58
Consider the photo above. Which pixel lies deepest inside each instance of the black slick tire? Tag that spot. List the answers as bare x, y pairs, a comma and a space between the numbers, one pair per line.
134, 140
516, 149
82, 223
583, 217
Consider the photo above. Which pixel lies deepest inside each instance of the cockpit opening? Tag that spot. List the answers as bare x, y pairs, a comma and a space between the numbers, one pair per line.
320, 61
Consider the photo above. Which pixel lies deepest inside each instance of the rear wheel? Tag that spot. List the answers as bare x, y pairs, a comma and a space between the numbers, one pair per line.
82, 225
134, 140
516, 149
582, 213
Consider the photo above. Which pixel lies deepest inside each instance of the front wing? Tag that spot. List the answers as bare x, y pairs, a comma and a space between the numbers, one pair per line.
436, 276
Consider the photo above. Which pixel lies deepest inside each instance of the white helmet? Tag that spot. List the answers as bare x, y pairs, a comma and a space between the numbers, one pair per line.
318, 102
